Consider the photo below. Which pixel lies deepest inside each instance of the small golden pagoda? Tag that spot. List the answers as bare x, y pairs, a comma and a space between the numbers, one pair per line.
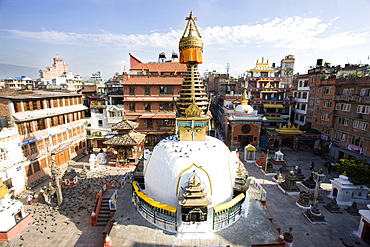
192, 105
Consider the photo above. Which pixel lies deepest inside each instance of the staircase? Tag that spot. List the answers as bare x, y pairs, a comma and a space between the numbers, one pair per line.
104, 213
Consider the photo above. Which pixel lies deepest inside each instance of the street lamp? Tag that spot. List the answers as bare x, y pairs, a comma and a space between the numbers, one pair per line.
313, 214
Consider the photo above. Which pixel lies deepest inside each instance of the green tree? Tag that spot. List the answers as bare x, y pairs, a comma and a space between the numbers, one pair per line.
354, 169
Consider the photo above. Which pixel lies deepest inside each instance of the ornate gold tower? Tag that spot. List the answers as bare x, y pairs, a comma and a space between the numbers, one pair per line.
192, 104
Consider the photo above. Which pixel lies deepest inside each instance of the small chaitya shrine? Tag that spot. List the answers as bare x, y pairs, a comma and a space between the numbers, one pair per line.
194, 201
289, 185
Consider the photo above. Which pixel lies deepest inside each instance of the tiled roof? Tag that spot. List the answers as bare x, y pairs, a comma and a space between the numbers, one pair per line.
125, 125
161, 67
154, 80
130, 139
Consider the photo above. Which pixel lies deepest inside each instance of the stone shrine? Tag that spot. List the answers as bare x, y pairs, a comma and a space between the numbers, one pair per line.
333, 207
299, 174
309, 183
353, 210
289, 186
346, 192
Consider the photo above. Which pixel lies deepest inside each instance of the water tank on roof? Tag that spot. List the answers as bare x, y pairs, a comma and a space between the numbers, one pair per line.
3, 122
162, 57
319, 62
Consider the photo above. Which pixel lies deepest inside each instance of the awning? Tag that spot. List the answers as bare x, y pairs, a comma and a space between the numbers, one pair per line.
289, 131
266, 91
273, 106
356, 155
275, 120
164, 116
228, 204
151, 202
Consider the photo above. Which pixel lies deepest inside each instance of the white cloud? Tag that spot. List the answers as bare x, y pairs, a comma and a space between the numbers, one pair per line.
295, 33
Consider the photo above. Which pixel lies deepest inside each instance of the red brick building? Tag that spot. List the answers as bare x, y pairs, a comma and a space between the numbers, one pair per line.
149, 93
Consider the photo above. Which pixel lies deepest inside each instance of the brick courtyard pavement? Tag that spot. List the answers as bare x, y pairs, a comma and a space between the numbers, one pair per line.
71, 225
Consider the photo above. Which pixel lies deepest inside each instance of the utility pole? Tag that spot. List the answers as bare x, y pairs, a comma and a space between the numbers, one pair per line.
227, 68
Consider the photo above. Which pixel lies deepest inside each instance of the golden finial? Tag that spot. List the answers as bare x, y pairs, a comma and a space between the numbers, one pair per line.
244, 100
344, 173
191, 44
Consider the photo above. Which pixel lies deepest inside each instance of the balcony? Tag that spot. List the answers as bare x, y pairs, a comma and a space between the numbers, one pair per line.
352, 98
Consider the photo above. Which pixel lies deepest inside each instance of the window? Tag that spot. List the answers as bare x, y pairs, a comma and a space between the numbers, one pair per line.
149, 123
340, 136
132, 106
363, 109
132, 90
325, 116
147, 106
40, 124
365, 92
165, 90
40, 145
3, 154
264, 74
288, 65
47, 142
25, 150
343, 121
327, 103
325, 130
356, 141
348, 91
343, 107
147, 90
33, 148
100, 123
360, 125
327, 90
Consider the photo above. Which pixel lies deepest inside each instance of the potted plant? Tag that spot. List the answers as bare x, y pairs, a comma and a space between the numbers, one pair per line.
288, 237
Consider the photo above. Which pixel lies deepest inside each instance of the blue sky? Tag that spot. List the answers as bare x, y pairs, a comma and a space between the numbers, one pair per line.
98, 35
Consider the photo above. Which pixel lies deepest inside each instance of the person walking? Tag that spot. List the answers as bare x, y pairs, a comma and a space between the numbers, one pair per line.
312, 168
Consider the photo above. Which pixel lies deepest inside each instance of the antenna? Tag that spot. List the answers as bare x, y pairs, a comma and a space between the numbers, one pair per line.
227, 68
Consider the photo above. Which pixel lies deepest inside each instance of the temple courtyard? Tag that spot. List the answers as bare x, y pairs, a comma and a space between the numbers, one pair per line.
71, 224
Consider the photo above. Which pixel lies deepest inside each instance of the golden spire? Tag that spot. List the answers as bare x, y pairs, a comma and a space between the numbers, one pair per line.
245, 100
192, 91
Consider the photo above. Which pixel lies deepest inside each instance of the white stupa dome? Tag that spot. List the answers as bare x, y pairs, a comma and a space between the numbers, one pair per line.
172, 162
244, 109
